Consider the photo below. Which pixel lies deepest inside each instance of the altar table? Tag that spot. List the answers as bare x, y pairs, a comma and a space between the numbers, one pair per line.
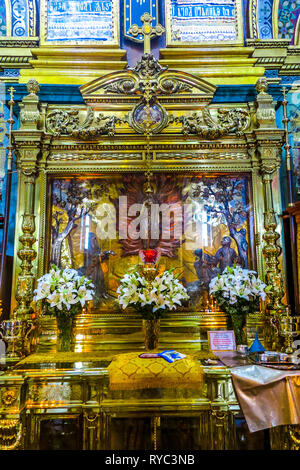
63, 401
69, 405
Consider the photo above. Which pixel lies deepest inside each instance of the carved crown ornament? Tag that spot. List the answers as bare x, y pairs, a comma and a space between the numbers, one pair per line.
148, 82
130, 84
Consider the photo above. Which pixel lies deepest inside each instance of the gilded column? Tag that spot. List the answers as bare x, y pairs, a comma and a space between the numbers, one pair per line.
269, 142
27, 253
272, 249
28, 147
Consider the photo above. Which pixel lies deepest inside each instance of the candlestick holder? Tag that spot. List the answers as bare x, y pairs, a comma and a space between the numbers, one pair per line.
289, 328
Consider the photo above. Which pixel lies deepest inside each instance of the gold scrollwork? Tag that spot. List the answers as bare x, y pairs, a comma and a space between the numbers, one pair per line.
61, 122
294, 433
220, 416
228, 121
9, 397
171, 85
123, 86
10, 434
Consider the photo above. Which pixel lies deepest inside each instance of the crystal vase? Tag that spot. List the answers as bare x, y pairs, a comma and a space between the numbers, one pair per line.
151, 330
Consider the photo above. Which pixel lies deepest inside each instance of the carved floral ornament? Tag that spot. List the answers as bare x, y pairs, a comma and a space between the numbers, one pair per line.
147, 70
63, 122
9, 396
147, 81
228, 121
33, 86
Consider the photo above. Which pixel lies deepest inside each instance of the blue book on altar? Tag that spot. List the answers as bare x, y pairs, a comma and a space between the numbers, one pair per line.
171, 355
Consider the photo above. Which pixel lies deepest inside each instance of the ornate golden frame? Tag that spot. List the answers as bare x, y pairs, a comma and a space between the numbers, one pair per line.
99, 138
55, 173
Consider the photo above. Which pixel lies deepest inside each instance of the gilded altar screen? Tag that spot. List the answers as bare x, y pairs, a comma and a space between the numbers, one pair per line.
199, 224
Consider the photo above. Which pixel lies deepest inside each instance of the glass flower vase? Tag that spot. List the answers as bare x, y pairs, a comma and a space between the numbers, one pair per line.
151, 330
238, 323
65, 334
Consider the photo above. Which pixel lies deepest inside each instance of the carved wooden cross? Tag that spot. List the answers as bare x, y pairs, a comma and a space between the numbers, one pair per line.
147, 30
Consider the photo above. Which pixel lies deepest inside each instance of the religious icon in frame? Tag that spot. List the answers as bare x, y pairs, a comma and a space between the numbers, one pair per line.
76, 22
199, 223
204, 22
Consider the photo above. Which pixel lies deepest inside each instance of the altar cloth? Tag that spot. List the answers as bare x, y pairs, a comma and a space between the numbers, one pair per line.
268, 397
130, 372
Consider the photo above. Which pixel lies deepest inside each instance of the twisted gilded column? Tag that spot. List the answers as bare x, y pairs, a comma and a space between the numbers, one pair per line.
18, 329
272, 249
269, 142
27, 253
28, 148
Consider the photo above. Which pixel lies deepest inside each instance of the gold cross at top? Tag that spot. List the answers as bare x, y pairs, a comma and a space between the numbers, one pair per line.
11, 92
147, 30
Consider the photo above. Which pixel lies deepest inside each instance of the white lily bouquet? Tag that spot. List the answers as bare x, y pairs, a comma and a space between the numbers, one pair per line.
151, 297
238, 292
63, 293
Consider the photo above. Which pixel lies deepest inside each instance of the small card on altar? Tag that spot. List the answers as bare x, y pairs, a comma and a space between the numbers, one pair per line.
221, 340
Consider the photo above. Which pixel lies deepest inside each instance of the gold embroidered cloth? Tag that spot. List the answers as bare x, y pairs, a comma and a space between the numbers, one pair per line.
58, 357
130, 372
